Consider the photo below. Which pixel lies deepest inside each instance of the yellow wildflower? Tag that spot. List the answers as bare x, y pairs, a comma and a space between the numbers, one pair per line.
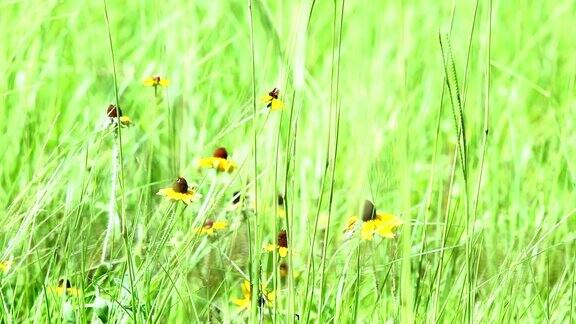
382, 224
282, 245
180, 191
156, 81
5, 266
218, 161
210, 227
65, 288
271, 100
266, 297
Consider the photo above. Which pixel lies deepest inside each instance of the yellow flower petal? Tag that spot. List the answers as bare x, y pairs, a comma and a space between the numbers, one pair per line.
246, 289
219, 164
389, 219
270, 247
186, 197
219, 225
281, 212
282, 251
386, 231
164, 82
206, 230
205, 163
149, 82
243, 303
276, 104
125, 120
271, 296
351, 223
266, 99
5, 266
367, 231
73, 292
385, 224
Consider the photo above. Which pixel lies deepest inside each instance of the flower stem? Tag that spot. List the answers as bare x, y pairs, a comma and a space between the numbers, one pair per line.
112, 214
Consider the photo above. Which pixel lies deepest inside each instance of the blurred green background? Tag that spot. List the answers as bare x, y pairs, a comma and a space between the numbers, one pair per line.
396, 146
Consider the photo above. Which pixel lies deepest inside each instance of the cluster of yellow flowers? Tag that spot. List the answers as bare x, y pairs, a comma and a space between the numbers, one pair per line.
369, 225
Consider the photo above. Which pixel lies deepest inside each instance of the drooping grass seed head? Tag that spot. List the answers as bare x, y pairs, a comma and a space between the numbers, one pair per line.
369, 211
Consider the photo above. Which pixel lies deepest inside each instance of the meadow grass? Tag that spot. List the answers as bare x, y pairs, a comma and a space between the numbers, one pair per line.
456, 117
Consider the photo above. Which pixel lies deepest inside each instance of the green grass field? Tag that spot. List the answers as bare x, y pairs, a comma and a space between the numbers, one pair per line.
456, 118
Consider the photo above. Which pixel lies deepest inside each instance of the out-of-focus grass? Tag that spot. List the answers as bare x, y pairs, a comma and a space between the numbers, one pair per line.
513, 263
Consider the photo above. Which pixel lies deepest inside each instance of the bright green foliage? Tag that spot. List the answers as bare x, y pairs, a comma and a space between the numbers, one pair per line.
374, 108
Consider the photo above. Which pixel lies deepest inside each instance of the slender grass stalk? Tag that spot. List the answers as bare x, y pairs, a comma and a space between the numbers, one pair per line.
255, 257
112, 215
290, 153
310, 263
334, 159
123, 227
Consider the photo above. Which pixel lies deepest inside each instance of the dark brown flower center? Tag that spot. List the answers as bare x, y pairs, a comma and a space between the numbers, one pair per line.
274, 93
282, 239
208, 224
156, 80
113, 112
64, 283
236, 197
280, 200
220, 153
180, 185
369, 211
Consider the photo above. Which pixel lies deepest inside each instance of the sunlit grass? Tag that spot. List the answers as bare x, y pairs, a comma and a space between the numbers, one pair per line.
456, 121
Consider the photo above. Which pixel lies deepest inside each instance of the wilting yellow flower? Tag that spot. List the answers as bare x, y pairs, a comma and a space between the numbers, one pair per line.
114, 112
156, 81
65, 288
282, 245
266, 297
271, 100
180, 191
210, 227
5, 266
218, 161
374, 223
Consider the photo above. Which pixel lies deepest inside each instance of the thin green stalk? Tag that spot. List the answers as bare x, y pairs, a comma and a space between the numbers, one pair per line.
255, 260
123, 227
334, 159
